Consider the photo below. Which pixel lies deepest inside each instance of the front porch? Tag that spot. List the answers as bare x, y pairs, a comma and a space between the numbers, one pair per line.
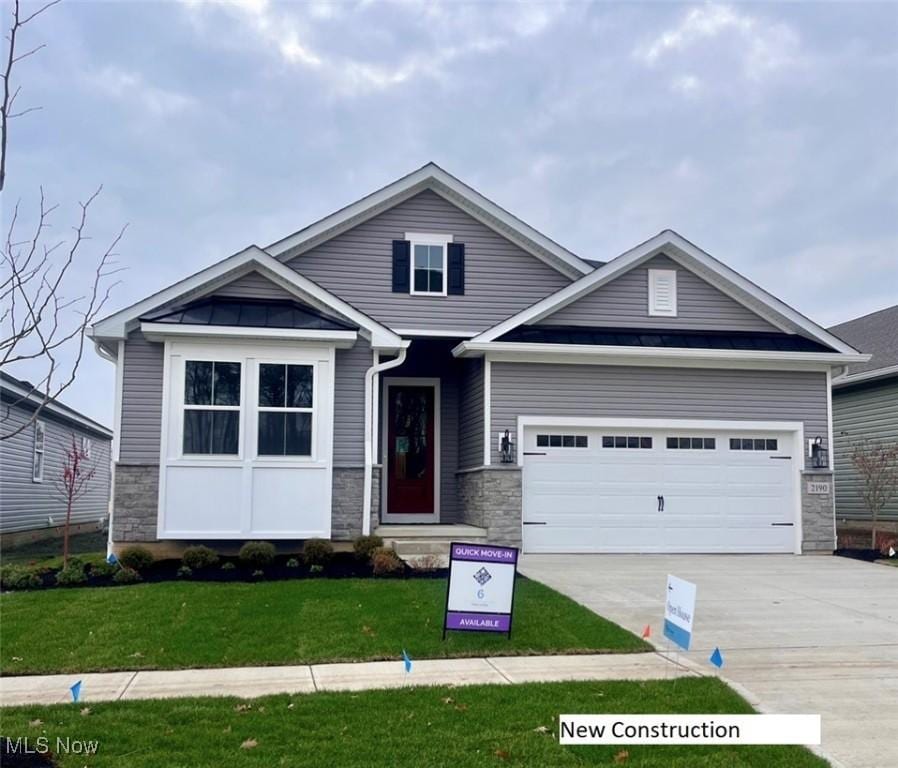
419, 543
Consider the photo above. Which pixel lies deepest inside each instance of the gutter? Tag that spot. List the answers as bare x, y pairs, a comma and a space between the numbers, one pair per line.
370, 374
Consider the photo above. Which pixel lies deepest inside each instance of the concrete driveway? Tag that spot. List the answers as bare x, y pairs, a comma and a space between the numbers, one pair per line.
811, 634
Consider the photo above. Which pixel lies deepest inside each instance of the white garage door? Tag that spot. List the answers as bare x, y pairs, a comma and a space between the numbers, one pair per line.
651, 490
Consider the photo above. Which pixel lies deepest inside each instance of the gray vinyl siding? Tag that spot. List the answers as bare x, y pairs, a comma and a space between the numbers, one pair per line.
254, 286
349, 404
26, 505
500, 278
861, 413
141, 422
541, 389
470, 431
624, 303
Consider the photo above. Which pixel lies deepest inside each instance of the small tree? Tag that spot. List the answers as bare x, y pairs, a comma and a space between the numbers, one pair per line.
72, 483
877, 465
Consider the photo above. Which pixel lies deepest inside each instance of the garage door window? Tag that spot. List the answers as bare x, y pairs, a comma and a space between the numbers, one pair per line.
626, 441
562, 441
753, 444
692, 443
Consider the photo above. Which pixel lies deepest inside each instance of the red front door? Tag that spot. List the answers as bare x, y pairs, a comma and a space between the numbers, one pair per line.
410, 454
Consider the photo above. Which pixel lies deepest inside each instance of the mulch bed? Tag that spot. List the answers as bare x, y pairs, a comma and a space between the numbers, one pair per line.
867, 555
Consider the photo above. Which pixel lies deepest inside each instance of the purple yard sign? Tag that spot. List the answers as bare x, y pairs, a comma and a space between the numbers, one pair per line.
480, 594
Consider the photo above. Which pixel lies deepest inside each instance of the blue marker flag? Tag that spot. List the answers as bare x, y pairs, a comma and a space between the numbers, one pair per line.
111, 559
76, 691
716, 658
407, 661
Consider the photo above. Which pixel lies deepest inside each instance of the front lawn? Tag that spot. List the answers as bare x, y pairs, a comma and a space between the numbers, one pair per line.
176, 625
514, 725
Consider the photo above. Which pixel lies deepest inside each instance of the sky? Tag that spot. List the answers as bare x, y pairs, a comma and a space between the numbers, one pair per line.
765, 133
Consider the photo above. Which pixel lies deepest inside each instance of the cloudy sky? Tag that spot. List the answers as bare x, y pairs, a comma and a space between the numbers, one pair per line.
765, 133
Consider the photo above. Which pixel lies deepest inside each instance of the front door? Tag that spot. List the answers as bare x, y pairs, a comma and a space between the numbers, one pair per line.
410, 453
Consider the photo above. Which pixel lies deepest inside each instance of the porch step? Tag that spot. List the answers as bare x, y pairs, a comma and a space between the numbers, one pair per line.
427, 545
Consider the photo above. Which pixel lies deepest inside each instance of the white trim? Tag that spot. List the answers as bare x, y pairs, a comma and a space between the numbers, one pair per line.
829, 419
250, 259
40, 426
487, 411
428, 238
444, 269
682, 251
435, 332
652, 299
414, 381
431, 176
616, 355
847, 379
728, 425
161, 331
117, 403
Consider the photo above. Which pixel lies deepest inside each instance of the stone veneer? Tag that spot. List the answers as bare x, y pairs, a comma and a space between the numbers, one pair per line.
491, 498
346, 502
818, 527
135, 502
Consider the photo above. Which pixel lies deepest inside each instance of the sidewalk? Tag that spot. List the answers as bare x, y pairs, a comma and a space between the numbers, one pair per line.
249, 682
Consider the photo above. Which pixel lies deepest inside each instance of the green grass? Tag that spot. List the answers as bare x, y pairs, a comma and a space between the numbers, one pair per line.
893, 561
47, 553
416, 727
176, 625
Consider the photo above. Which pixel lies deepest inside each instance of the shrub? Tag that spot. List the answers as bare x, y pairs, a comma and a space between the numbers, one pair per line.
126, 576
228, 566
102, 570
136, 558
16, 577
257, 574
317, 552
364, 546
199, 557
386, 561
257, 553
71, 576
316, 569
292, 563
185, 572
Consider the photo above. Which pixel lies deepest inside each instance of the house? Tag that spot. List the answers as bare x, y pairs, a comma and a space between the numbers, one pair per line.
34, 451
422, 356
865, 406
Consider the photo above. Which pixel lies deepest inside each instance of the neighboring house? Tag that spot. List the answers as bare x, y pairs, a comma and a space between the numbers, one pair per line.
865, 405
31, 503
422, 356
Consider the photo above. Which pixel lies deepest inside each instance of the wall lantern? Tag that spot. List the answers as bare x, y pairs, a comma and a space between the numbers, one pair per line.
819, 454
506, 448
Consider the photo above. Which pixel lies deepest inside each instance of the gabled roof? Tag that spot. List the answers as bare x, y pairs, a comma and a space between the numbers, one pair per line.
24, 393
434, 178
679, 249
248, 260
877, 334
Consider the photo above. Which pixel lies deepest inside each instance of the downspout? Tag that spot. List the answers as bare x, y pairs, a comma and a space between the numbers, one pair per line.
118, 361
369, 428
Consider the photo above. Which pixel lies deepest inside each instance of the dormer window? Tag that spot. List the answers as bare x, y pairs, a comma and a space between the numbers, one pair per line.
663, 292
428, 263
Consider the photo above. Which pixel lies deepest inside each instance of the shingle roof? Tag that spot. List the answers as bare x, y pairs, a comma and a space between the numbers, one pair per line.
876, 334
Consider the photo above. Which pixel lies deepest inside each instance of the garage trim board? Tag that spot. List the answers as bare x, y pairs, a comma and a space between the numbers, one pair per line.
669, 512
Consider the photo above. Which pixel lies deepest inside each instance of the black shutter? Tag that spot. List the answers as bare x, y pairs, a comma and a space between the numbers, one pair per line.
401, 266
455, 284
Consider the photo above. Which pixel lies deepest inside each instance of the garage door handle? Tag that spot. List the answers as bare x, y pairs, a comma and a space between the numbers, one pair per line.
782, 525
534, 453
660, 503
527, 522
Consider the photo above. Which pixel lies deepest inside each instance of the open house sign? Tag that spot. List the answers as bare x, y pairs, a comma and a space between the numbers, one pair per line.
480, 594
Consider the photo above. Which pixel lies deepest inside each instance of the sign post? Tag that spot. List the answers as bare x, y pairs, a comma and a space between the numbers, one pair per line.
480, 593
679, 611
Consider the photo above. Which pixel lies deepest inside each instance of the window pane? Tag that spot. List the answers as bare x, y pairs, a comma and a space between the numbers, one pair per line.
645, 442
607, 441
759, 444
197, 431
542, 441
673, 442
710, 443
436, 257
582, 441
271, 434
555, 441
697, 443
567, 441
620, 442
299, 434
632, 442
227, 384
735, 444
436, 281
771, 445
271, 385
685, 442
747, 444
421, 280
198, 382
225, 431
299, 386
422, 257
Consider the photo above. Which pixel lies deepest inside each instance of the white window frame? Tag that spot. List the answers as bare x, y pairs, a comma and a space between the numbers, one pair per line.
654, 275
39, 451
313, 409
86, 446
196, 407
430, 239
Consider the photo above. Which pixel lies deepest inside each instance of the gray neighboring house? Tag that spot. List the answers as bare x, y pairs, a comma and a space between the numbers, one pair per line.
865, 405
424, 364
31, 506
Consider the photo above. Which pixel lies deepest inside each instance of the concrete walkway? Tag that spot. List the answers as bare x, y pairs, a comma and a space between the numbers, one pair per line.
802, 635
249, 682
